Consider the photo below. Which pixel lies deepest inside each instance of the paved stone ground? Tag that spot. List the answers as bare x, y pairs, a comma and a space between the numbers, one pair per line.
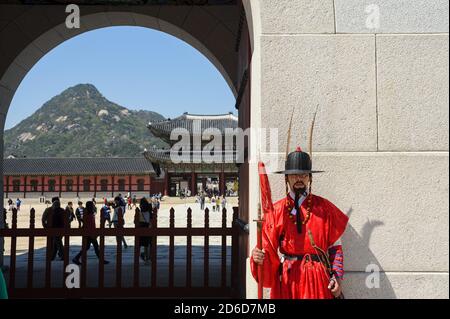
127, 254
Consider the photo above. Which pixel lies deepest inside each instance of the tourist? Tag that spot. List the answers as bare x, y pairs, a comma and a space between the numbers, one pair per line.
213, 203
79, 214
134, 201
18, 203
70, 213
129, 202
218, 204
118, 209
89, 225
5, 213
10, 205
224, 202
144, 214
53, 217
105, 212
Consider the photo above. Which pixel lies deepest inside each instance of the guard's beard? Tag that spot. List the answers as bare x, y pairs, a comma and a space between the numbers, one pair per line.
299, 191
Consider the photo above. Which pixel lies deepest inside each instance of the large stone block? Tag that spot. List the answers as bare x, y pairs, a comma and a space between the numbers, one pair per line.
398, 207
391, 16
6, 96
13, 76
48, 40
336, 73
413, 92
146, 21
28, 57
300, 16
397, 286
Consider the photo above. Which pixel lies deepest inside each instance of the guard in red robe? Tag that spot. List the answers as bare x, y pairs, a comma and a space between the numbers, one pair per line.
302, 257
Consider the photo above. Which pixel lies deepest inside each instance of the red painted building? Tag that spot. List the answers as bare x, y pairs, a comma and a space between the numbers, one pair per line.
83, 177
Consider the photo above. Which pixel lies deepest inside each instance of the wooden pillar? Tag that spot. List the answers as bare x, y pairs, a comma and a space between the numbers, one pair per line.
129, 184
112, 186
95, 186
60, 185
42, 186
25, 187
7, 185
78, 186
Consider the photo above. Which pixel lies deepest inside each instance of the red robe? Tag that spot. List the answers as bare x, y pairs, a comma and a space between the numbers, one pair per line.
299, 279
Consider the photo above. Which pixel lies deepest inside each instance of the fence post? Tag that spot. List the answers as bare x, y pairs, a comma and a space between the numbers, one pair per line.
101, 262
224, 249
154, 245
12, 269
171, 247
189, 249
31, 250
235, 276
206, 251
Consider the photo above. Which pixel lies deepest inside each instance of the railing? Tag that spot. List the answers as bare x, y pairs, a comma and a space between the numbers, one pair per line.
113, 285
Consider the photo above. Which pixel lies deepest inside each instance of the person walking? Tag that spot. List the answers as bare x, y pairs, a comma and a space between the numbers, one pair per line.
18, 203
53, 217
224, 202
118, 209
144, 216
89, 225
79, 214
105, 212
129, 200
69, 212
218, 204
135, 201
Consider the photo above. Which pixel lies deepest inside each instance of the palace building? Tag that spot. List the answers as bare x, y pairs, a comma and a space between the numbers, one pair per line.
81, 177
198, 166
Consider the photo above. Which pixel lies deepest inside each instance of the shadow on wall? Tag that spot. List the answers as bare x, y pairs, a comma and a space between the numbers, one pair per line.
358, 254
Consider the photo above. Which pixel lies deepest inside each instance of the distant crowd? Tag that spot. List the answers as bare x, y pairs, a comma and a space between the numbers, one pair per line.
85, 214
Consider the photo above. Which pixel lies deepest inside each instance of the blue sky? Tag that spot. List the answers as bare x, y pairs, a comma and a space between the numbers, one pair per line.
136, 67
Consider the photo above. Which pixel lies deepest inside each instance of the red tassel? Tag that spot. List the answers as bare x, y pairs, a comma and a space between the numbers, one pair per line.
298, 149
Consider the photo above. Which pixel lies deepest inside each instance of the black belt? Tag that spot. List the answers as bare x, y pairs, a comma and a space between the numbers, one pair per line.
312, 257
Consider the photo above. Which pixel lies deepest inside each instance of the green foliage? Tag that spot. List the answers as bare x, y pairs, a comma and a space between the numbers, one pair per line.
80, 122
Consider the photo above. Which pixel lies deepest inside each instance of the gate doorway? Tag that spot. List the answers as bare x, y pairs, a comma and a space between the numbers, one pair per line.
199, 25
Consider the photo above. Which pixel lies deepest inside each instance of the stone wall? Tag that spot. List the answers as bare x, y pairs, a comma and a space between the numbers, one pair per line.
381, 135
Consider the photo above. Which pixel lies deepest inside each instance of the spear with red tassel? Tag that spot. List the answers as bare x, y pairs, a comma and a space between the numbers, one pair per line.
264, 208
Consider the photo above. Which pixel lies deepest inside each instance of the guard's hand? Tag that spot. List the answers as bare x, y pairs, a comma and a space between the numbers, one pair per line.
335, 286
258, 256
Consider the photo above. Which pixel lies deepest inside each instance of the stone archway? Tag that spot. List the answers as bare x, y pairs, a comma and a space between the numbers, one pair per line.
27, 33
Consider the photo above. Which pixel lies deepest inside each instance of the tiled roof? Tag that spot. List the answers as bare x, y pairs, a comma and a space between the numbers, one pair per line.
76, 166
164, 128
164, 157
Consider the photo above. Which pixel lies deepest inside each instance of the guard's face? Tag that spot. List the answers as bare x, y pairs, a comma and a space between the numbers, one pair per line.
298, 182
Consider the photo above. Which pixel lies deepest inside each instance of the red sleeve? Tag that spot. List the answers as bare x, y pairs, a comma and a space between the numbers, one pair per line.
271, 233
337, 224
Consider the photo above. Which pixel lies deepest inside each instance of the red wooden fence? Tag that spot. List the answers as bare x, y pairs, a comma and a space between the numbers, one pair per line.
117, 289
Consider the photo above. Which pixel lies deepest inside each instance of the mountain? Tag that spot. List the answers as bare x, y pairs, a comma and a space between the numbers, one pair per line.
81, 122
